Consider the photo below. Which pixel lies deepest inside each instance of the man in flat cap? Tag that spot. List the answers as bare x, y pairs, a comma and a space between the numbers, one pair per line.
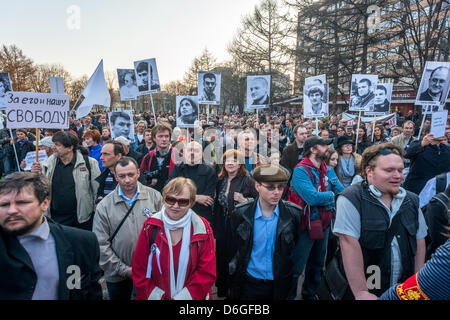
265, 232
314, 189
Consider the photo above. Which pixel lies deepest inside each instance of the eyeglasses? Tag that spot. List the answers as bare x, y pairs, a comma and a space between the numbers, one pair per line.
272, 188
181, 202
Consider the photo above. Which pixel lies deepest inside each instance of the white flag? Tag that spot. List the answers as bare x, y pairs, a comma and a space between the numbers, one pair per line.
95, 93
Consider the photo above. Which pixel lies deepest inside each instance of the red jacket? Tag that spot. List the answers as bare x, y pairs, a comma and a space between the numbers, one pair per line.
201, 269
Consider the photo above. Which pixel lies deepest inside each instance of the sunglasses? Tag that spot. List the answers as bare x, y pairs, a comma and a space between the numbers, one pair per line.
272, 188
181, 202
384, 152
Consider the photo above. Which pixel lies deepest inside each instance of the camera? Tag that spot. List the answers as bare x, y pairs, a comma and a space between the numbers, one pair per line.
149, 175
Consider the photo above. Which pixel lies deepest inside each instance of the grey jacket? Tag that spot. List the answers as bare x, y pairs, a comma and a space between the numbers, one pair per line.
116, 256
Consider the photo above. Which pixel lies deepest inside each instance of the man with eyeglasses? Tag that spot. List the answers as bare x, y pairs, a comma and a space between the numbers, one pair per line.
118, 219
265, 232
380, 226
310, 189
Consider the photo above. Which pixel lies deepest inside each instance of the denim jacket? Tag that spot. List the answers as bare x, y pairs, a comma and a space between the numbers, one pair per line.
307, 189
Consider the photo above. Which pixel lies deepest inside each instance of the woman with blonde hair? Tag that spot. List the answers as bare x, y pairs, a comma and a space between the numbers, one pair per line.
234, 186
174, 257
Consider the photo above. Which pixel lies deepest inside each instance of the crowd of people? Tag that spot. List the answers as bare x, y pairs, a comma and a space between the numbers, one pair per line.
245, 203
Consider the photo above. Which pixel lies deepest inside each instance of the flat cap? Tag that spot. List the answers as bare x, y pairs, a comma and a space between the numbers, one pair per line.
270, 174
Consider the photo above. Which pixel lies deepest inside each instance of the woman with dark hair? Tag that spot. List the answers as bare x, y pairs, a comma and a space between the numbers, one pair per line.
234, 186
363, 141
349, 160
333, 164
91, 139
378, 135
187, 112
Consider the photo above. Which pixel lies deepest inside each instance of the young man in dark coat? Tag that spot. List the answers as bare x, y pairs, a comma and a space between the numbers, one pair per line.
266, 231
40, 259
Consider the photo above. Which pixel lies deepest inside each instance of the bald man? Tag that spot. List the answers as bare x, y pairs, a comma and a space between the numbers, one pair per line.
203, 175
436, 84
259, 91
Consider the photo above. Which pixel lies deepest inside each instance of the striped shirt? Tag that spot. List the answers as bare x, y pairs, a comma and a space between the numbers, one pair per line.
433, 279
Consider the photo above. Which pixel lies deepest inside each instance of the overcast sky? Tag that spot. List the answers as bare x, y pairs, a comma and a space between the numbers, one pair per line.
120, 32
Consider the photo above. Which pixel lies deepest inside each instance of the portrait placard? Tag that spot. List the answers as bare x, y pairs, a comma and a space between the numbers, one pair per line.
362, 92
5, 87
258, 92
147, 76
382, 101
187, 111
209, 87
435, 84
128, 89
121, 124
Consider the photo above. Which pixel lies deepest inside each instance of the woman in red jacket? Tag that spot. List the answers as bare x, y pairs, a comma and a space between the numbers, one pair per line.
174, 256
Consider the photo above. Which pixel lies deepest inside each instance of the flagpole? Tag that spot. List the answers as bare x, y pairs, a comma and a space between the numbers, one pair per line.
14, 147
424, 114
153, 108
357, 130
373, 128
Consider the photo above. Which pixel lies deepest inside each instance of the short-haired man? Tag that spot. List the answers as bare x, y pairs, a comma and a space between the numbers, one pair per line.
247, 142
436, 85
129, 152
209, 85
293, 153
74, 188
365, 95
315, 95
381, 103
265, 231
203, 175
119, 217
258, 91
380, 224
120, 125
111, 152
142, 73
314, 193
37, 255
158, 163
404, 141
148, 145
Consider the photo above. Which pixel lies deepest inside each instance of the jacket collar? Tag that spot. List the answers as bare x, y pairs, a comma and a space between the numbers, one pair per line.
64, 252
141, 196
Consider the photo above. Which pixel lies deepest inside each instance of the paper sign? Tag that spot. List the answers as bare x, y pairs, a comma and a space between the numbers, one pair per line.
37, 110
438, 123
30, 158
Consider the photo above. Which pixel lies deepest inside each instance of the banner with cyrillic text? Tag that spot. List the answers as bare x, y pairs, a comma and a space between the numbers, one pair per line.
37, 110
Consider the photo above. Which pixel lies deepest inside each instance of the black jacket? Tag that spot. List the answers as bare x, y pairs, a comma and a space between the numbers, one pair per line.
288, 229
136, 156
205, 180
426, 163
74, 247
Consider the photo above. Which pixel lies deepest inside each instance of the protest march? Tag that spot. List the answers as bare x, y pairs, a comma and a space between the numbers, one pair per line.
193, 202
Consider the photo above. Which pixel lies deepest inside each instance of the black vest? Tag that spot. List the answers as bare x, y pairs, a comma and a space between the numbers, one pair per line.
376, 233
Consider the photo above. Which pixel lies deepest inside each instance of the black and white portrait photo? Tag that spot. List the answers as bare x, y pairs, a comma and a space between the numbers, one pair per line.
318, 80
209, 87
147, 76
127, 84
258, 92
382, 101
5, 87
187, 111
435, 83
362, 93
315, 101
121, 124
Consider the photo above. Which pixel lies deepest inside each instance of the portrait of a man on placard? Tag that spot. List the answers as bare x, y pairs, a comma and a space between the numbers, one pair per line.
128, 89
121, 124
147, 76
258, 92
209, 88
187, 111
5, 87
313, 100
382, 101
435, 84
362, 95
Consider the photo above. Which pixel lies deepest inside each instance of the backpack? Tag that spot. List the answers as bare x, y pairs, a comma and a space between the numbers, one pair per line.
441, 182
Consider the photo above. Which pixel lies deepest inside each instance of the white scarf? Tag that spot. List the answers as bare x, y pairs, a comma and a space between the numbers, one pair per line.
169, 224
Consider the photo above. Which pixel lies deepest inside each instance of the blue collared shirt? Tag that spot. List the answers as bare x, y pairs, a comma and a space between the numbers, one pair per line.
264, 234
124, 197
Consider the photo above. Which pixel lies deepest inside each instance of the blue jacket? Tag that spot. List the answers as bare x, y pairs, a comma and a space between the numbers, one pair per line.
95, 152
307, 189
